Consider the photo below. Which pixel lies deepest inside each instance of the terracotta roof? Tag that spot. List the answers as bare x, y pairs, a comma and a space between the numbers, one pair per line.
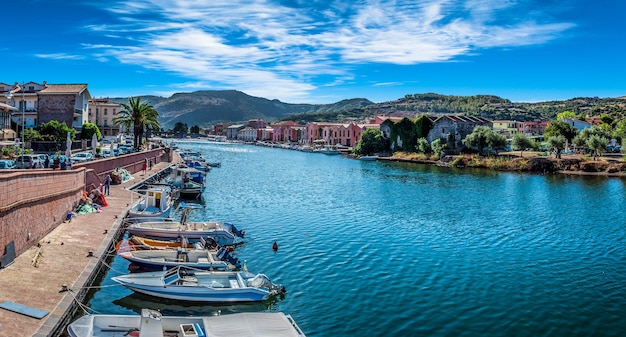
64, 89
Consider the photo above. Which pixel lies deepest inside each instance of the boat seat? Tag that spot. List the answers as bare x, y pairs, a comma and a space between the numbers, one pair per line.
233, 283
203, 260
158, 259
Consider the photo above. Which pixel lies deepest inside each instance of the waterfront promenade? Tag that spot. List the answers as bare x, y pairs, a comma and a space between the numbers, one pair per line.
68, 255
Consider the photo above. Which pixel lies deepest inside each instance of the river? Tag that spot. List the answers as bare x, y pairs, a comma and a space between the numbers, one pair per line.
396, 249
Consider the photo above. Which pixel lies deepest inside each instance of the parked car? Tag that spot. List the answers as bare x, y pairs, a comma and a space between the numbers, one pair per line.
7, 164
25, 161
82, 157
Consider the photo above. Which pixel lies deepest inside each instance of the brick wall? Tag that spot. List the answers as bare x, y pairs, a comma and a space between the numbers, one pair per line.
56, 107
32, 203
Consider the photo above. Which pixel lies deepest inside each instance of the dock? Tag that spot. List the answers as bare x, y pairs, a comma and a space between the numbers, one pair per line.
51, 277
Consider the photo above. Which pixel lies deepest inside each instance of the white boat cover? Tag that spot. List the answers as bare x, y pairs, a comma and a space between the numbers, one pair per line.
250, 325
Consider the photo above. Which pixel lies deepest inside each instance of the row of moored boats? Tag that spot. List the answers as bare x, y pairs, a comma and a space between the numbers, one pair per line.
188, 261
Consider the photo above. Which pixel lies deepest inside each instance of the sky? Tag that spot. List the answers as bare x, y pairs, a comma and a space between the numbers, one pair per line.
312, 51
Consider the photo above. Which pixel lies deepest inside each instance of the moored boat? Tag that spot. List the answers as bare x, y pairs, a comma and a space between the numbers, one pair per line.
224, 234
152, 323
163, 259
193, 285
155, 203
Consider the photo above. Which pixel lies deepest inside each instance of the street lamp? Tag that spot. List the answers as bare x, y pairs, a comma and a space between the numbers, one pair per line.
9, 95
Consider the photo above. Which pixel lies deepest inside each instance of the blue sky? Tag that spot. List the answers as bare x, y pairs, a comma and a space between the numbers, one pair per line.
311, 51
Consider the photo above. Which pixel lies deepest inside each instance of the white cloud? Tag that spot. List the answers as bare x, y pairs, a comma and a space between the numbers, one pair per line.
60, 56
276, 51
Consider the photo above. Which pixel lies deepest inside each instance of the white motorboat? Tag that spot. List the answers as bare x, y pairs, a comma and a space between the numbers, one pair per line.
161, 259
156, 202
193, 285
224, 234
152, 323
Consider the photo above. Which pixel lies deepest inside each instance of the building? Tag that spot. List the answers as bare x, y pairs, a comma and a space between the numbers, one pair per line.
233, 130
23, 97
6, 133
577, 124
65, 103
101, 113
508, 128
454, 128
283, 132
336, 133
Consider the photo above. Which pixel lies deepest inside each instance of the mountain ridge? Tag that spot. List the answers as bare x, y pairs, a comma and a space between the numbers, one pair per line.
207, 107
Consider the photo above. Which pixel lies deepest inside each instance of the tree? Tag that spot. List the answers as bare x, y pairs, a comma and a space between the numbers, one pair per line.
56, 132
595, 138
606, 119
557, 128
565, 114
194, 129
89, 129
597, 144
423, 146
372, 141
141, 116
496, 141
180, 127
483, 137
557, 143
438, 147
521, 142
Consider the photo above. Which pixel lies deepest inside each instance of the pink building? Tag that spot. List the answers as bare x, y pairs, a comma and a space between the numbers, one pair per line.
336, 133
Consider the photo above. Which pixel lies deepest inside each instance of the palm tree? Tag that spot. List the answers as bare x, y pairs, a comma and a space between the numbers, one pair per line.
141, 116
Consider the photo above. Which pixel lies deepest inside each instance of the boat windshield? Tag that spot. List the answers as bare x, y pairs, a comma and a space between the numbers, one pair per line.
171, 276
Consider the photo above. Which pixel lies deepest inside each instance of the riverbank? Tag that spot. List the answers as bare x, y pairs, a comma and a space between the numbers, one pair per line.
532, 162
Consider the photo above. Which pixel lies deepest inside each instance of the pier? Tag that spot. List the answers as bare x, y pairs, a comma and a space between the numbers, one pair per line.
54, 275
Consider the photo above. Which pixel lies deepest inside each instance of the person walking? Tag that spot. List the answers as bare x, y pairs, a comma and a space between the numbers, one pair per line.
46, 163
145, 166
107, 184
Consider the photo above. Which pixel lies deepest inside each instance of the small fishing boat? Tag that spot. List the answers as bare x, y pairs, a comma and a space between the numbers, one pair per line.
189, 181
198, 165
224, 234
368, 158
152, 323
193, 285
138, 242
163, 259
155, 203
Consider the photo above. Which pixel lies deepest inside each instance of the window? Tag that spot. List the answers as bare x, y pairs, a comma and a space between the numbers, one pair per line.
105, 111
114, 111
96, 111
105, 122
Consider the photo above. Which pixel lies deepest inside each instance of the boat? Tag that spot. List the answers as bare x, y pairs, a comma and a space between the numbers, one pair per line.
224, 234
152, 323
138, 242
155, 203
189, 181
368, 158
187, 284
198, 165
162, 259
327, 149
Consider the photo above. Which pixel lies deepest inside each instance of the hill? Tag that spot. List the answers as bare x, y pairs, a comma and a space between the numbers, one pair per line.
207, 107
494, 107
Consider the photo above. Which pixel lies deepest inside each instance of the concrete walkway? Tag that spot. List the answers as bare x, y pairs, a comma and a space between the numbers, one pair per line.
62, 258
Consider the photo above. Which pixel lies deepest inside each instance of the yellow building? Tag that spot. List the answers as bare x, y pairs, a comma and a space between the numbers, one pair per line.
102, 112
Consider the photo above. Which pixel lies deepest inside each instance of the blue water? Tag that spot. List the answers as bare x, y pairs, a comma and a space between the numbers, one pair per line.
393, 249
